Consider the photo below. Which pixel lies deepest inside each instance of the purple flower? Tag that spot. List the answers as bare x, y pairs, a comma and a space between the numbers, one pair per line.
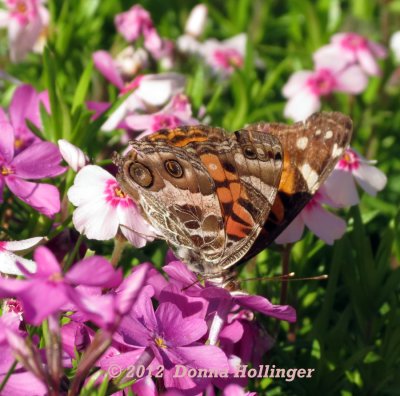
25, 104
354, 49
48, 290
305, 88
168, 337
20, 380
36, 162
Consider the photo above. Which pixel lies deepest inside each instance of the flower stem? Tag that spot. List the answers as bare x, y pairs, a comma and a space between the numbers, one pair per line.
119, 246
7, 376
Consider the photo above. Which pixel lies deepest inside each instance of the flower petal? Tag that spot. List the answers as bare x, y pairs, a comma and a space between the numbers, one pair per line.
8, 264
106, 65
296, 83
352, 80
24, 105
38, 161
73, 155
370, 178
293, 232
367, 62
82, 273
261, 304
302, 105
341, 189
45, 198
46, 262
17, 246
6, 141
324, 224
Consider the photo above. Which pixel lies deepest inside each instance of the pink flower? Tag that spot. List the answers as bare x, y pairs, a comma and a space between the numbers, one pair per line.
9, 260
48, 290
322, 223
25, 105
222, 56
305, 88
103, 209
137, 22
354, 49
353, 168
25, 20
38, 161
176, 113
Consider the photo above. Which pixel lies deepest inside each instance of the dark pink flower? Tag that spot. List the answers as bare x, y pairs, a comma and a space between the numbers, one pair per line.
38, 161
25, 105
48, 289
137, 22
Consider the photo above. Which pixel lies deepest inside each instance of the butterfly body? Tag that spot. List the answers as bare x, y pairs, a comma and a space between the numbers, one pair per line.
219, 198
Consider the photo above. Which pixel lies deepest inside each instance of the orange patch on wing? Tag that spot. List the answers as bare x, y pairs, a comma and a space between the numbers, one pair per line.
224, 195
288, 178
214, 167
236, 229
278, 209
188, 139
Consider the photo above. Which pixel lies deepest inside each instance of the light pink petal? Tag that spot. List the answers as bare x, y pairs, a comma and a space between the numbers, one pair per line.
302, 105
145, 386
368, 63
4, 18
377, 49
97, 220
324, 224
332, 57
134, 227
153, 42
140, 122
46, 262
39, 160
293, 232
352, 80
82, 273
24, 105
341, 188
45, 198
116, 117
6, 141
17, 246
296, 83
8, 264
106, 65
72, 155
370, 178
18, 383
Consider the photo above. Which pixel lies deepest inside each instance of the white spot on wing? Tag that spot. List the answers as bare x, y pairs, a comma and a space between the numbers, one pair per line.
302, 143
328, 134
310, 176
336, 151
318, 132
212, 166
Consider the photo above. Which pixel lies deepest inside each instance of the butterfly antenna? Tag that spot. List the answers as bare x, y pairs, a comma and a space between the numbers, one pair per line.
191, 284
285, 278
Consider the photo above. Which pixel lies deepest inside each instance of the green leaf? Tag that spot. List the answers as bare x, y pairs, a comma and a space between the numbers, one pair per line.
83, 86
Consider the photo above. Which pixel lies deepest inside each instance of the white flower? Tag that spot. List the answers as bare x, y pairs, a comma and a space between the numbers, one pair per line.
8, 259
394, 45
103, 208
72, 155
197, 20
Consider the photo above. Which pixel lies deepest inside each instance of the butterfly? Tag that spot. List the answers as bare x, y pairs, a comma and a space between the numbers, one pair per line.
219, 198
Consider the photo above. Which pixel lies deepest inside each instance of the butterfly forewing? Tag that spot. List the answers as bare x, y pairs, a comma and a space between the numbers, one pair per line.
311, 150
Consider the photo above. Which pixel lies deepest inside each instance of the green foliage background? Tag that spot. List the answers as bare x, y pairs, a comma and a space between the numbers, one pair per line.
348, 326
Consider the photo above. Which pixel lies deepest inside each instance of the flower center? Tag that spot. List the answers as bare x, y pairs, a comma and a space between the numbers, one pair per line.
353, 42
115, 196
226, 58
160, 342
2, 246
322, 82
56, 277
349, 161
24, 11
161, 121
6, 171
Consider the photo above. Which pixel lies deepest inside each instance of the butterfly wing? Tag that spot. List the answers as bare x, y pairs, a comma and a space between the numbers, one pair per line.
311, 150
